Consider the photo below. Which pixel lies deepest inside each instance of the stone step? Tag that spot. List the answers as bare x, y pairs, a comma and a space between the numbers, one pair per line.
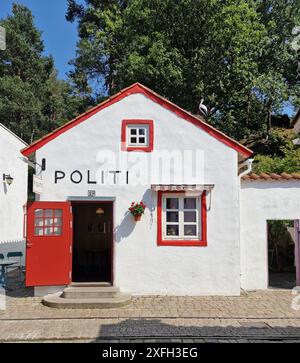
57, 301
90, 284
90, 292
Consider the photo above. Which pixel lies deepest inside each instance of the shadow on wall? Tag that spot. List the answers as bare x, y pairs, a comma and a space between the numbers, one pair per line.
4, 187
13, 246
127, 225
157, 329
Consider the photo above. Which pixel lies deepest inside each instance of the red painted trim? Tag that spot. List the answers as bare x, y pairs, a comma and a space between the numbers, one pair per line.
124, 146
138, 88
196, 243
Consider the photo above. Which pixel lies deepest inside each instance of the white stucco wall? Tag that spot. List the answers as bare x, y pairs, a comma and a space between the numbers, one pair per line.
13, 197
262, 201
140, 266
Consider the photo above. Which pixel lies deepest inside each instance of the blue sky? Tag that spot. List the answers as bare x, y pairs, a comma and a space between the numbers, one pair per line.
59, 35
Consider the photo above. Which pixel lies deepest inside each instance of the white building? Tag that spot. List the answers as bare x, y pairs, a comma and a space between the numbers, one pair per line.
194, 236
12, 197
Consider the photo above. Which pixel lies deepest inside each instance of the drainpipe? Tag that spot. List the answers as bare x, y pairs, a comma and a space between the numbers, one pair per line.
247, 163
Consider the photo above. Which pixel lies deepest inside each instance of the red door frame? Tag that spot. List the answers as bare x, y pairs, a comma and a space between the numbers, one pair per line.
112, 202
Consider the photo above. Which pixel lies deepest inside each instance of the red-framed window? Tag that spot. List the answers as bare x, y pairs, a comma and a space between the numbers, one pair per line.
181, 219
137, 135
48, 222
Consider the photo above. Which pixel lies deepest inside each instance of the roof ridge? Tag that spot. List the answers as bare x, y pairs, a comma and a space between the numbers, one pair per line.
155, 97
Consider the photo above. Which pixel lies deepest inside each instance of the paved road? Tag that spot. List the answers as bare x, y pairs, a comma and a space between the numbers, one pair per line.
255, 316
125, 330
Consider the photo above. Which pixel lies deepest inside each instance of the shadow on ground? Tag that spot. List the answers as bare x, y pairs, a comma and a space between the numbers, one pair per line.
16, 285
138, 330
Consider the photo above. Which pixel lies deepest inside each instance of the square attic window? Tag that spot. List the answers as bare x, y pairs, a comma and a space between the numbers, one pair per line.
137, 135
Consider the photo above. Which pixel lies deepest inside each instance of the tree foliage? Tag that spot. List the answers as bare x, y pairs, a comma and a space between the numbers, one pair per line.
32, 100
236, 54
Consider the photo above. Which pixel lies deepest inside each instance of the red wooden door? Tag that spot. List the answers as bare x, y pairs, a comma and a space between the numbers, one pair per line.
49, 243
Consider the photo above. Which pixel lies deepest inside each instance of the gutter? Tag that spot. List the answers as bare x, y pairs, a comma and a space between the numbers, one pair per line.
247, 163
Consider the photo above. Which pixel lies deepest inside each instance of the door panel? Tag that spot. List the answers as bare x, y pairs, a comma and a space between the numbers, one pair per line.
48, 243
92, 244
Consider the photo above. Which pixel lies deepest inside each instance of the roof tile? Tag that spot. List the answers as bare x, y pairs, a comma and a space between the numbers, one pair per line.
271, 177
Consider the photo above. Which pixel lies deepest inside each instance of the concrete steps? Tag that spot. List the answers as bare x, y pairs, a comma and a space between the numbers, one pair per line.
87, 296
90, 292
90, 284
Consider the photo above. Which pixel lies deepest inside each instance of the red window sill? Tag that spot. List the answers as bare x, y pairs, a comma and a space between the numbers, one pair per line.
190, 243
139, 149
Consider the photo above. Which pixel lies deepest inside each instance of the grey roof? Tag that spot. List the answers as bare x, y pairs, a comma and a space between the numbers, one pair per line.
13, 134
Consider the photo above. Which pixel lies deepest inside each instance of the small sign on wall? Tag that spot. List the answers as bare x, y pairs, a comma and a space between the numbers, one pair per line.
37, 186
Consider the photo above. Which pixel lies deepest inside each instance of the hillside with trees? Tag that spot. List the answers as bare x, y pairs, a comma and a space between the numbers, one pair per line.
239, 56
33, 101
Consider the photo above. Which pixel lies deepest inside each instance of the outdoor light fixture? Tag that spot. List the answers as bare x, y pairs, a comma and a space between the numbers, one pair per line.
8, 179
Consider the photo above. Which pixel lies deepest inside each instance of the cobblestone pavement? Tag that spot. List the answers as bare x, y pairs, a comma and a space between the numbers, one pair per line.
254, 316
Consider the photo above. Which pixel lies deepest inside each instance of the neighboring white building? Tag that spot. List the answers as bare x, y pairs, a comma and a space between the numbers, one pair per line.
263, 198
12, 197
193, 238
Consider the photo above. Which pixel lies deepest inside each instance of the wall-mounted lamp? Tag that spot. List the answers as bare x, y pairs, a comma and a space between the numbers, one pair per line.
8, 179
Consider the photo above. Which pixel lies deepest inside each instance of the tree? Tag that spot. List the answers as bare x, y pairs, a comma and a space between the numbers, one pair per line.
227, 52
32, 100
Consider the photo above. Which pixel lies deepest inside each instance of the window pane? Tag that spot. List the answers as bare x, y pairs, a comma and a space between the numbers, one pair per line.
58, 212
141, 131
189, 203
172, 203
190, 230
38, 222
48, 222
57, 231
133, 131
57, 221
133, 140
48, 231
38, 213
141, 140
172, 217
38, 231
172, 230
190, 216
48, 212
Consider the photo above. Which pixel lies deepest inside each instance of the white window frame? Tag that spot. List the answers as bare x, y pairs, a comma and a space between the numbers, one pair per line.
137, 127
181, 223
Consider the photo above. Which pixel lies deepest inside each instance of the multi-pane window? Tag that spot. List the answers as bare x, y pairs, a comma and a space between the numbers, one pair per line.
48, 222
181, 217
138, 135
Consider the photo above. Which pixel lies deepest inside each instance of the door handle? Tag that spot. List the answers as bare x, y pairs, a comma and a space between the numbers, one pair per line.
29, 245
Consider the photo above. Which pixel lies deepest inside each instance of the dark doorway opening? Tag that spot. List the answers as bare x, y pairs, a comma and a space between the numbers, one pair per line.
92, 241
282, 261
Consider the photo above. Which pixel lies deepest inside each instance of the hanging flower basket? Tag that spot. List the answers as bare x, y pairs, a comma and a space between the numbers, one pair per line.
137, 210
137, 217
